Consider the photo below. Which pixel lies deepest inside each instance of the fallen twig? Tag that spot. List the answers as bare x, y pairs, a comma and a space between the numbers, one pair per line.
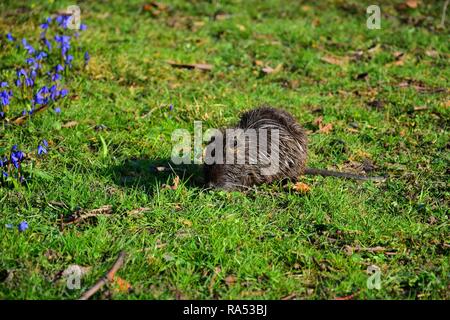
349, 250
109, 277
21, 119
349, 297
82, 214
199, 66
292, 296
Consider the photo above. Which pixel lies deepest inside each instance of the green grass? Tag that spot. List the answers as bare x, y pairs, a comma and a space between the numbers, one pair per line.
273, 243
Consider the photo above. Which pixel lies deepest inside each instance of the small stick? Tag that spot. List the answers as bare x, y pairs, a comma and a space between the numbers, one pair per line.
21, 119
104, 210
109, 277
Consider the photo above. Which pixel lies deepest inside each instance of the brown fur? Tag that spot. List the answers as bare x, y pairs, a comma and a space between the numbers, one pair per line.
292, 152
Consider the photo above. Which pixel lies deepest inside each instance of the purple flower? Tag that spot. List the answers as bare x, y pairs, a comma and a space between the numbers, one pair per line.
33, 74
87, 57
54, 93
69, 59
48, 44
16, 156
57, 110
59, 68
46, 24
23, 226
10, 37
56, 77
27, 46
18, 83
64, 43
59, 19
29, 82
3, 84
64, 92
30, 60
62, 39
41, 96
171, 107
63, 21
21, 72
41, 150
4, 98
83, 27
41, 55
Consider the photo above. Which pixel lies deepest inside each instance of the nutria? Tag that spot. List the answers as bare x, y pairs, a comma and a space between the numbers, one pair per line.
286, 143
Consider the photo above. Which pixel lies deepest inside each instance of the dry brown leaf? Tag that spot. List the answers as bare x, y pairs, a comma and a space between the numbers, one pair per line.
399, 62
306, 8
399, 57
155, 8
186, 222
301, 187
222, 16
398, 54
432, 53
121, 285
70, 124
230, 280
269, 70
137, 211
252, 293
412, 3
326, 128
318, 121
21, 119
241, 27
175, 183
339, 61
147, 7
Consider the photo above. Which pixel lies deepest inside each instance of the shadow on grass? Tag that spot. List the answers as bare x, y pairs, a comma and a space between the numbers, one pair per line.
151, 174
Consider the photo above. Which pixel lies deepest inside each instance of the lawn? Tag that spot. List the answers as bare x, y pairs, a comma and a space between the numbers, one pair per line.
374, 101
